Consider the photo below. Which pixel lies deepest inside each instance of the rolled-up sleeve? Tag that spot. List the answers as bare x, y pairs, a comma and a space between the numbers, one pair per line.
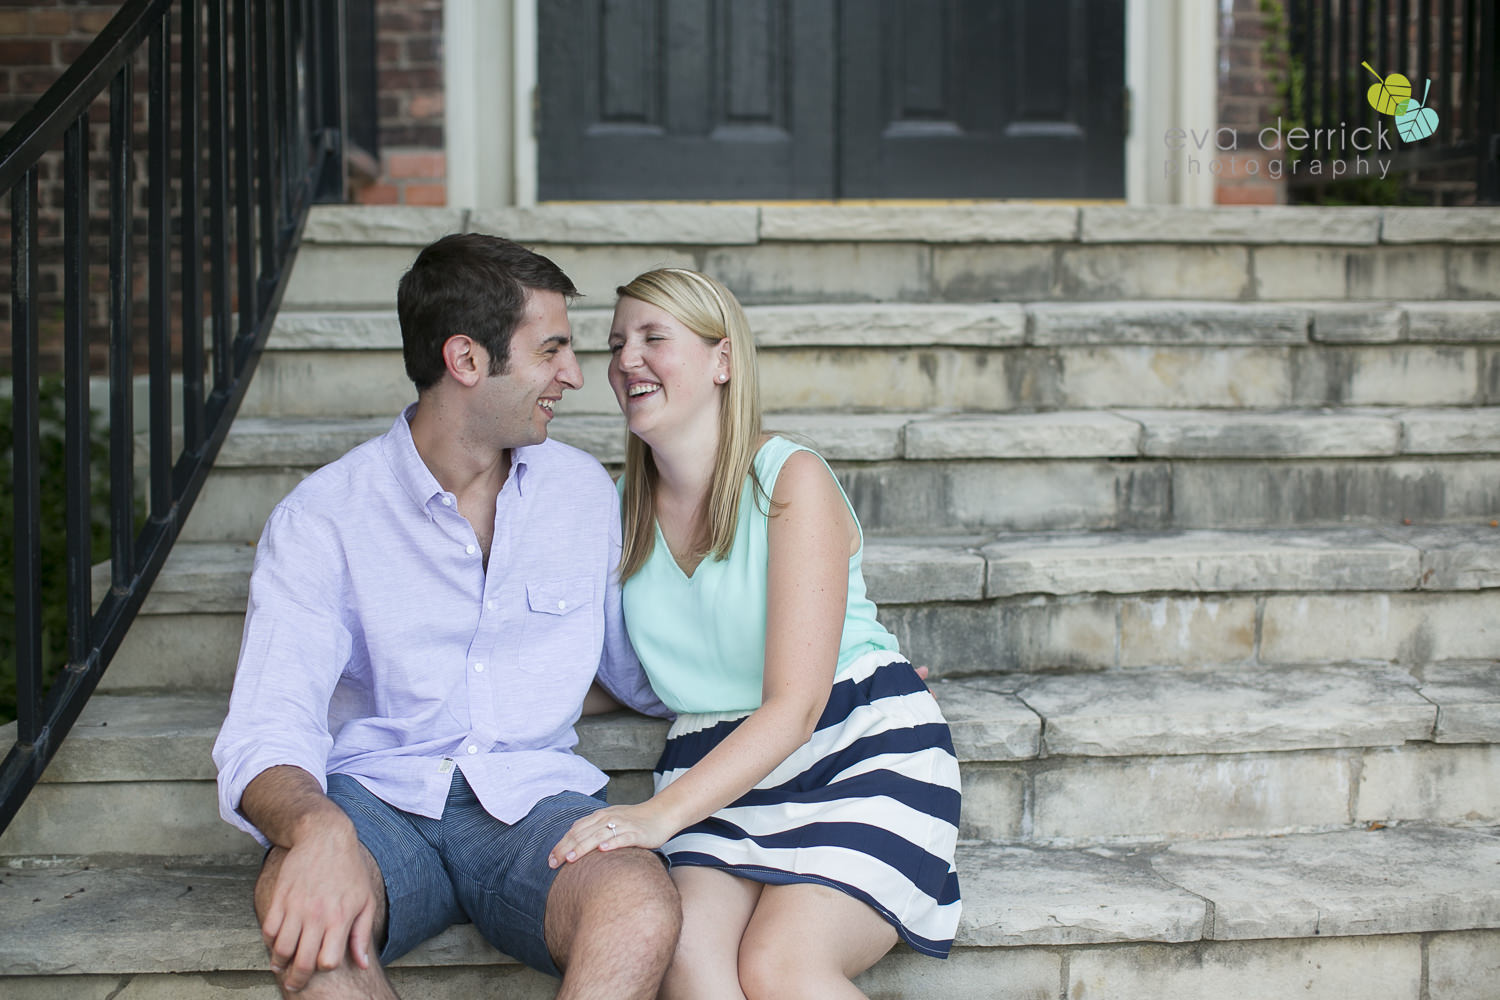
294, 650
620, 672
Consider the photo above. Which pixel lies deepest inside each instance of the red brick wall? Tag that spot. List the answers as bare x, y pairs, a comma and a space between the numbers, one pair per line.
1248, 102
409, 66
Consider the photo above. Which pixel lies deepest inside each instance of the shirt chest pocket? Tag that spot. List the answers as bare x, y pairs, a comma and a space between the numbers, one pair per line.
559, 598
560, 630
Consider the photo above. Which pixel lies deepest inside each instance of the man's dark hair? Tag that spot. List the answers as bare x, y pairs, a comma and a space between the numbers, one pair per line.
470, 284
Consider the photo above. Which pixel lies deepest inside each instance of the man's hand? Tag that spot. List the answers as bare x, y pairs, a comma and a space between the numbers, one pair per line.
321, 908
320, 895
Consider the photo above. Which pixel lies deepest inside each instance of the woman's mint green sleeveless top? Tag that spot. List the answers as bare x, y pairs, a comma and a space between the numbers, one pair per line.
702, 638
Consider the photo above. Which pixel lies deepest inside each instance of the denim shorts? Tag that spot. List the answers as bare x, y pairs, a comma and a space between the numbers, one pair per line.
466, 867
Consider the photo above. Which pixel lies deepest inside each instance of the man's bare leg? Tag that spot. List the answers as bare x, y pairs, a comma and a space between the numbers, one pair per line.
346, 980
612, 924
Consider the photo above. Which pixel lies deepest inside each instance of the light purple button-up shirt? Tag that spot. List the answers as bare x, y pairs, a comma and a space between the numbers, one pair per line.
376, 644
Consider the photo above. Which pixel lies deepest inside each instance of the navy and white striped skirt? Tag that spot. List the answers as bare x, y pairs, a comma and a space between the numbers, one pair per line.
869, 805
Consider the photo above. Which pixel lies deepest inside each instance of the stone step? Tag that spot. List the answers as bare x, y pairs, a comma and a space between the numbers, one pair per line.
1402, 913
983, 356
1034, 602
1094, 758
913, 473
353, 257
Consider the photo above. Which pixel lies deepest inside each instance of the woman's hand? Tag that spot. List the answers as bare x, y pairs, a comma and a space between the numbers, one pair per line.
616, 826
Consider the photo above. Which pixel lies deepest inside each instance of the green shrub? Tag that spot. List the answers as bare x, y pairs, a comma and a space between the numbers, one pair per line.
54, 537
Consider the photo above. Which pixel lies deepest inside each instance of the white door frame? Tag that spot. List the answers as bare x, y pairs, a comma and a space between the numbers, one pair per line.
1171, 68
488, 78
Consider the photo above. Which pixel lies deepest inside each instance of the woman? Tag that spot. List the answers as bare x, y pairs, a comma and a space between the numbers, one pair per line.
807, 799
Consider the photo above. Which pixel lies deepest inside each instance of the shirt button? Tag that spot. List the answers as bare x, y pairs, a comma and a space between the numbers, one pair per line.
479, 668
473, 748
491, 605
471, 549
447, 501
562, 605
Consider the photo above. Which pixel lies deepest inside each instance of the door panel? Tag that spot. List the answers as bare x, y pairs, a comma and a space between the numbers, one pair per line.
974, 98
686, 99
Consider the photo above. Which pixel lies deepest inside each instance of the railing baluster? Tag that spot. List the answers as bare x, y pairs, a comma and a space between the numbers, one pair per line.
1467, 113
78, 443
218, 197
1383, 38
328, 99
1359, 113
1403, 39
266, 162
1487, 130
25, 403
1325, 41
1424, 46
1342, 99
159, 277
121, 401
191, 82
1444, 88
1306, 25
307, 115
244, 169
285, 112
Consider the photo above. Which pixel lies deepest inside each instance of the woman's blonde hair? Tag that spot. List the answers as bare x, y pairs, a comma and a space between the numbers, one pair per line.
710, 310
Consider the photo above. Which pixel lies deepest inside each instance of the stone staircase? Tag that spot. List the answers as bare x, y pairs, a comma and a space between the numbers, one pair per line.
1191, 512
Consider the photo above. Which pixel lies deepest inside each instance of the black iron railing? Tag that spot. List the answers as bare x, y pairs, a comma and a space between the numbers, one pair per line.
1444, 49
257, 138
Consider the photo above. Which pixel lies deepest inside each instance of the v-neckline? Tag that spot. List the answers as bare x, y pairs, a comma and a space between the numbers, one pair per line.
661, 540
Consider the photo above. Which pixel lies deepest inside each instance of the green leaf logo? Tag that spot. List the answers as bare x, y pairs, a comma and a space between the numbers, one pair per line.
1389, 95
1415, 122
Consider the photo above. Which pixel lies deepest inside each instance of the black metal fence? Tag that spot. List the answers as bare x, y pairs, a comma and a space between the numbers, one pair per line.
1445, 50
258, 94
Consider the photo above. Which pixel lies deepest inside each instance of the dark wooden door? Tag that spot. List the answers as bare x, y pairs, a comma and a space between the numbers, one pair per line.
773, 99
983, 99
686, 99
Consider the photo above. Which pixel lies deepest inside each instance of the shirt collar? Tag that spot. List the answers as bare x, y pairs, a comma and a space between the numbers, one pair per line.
419, 482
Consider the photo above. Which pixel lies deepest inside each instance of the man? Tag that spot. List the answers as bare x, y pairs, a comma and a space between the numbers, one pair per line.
426, 616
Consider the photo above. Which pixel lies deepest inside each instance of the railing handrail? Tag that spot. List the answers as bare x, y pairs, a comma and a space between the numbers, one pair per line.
285, 98
42, 127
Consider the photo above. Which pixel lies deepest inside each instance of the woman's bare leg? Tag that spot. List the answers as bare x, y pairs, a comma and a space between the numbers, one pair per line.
809, 941
716, 906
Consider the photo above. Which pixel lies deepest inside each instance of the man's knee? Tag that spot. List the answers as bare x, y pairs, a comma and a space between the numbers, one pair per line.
657, 913
270, 875
626, 891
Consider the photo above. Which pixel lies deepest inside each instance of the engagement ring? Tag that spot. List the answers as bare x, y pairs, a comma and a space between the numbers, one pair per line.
609, 826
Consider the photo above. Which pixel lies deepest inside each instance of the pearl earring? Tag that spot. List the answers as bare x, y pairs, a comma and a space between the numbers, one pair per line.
721, 379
